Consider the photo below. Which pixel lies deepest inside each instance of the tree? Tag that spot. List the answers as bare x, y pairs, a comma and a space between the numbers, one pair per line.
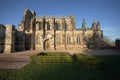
108, 41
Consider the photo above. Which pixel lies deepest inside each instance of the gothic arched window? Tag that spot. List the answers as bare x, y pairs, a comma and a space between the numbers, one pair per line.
66, 26
68, 40
57, 26
40, 26
87, 39
78, 39
48, 26
58, 39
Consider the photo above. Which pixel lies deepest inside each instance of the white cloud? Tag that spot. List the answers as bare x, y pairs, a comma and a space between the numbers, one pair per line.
111, 36
109, 29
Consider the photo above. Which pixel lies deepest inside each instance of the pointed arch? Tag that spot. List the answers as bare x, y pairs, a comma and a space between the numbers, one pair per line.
40, 25
68, 39
78, 39
57, 26
58, 39
48, 26
66, 26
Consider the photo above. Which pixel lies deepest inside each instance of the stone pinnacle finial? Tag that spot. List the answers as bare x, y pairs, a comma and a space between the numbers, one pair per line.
72, 16
33, 12
83, 24
98, 25
26, 11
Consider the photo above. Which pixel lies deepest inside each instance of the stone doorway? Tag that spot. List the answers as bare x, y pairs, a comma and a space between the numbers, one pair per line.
46, 44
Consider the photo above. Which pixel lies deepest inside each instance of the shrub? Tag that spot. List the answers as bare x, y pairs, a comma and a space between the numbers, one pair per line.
62, 57
89, 60
52, 57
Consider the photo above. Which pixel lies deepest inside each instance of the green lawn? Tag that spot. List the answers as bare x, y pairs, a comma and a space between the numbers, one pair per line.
66, 71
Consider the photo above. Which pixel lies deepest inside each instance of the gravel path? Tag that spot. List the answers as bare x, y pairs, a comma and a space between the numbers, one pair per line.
103, 52
15, 60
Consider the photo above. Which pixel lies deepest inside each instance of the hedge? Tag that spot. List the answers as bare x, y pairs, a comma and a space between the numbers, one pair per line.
52, 57
63, 57
89, 60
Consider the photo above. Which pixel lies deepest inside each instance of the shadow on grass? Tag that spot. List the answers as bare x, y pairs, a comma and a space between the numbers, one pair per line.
42, 54
111, 67
55, 72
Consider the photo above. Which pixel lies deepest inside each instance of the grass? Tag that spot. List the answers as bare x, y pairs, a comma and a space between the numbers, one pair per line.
111, 68
66, 71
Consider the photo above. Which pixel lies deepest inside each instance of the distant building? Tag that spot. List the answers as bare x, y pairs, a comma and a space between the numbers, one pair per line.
117, 42
49, 33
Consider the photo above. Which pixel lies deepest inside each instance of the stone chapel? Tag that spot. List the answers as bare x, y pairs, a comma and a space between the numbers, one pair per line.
49, 33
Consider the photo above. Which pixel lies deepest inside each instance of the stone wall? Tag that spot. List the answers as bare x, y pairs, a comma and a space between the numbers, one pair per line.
2, 37
69, 37
9, 39
20, 41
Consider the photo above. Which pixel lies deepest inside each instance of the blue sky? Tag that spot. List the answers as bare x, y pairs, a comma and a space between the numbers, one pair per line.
105, 11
